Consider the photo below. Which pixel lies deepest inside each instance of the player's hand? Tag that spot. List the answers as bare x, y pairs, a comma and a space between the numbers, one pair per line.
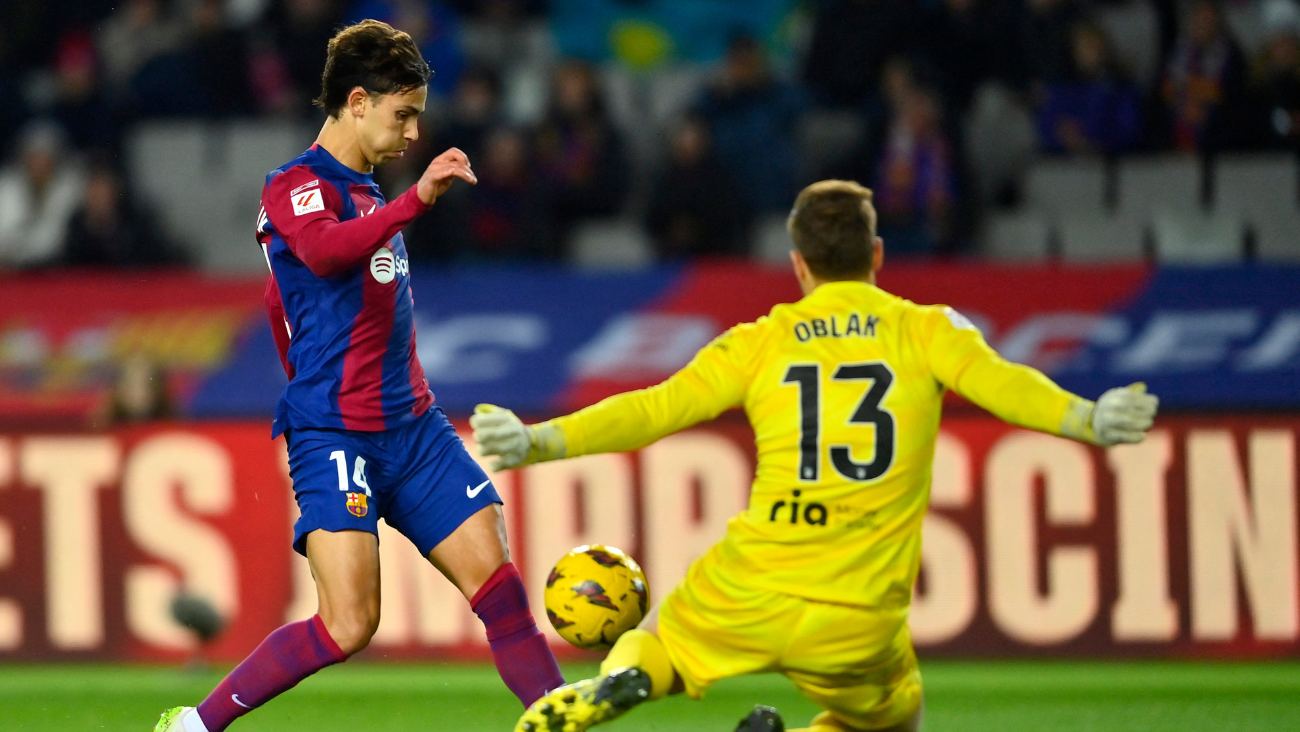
500, 433
1124, 414
438, 177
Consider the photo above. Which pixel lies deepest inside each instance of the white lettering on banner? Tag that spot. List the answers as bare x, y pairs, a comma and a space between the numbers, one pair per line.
469, 348
11, 613
1185, 341
1144, 610
200, 468
677, 472
1227, 529
1071, 599
70, 471
599, 485
633, 345
948, 604
1029, 341
1278, 348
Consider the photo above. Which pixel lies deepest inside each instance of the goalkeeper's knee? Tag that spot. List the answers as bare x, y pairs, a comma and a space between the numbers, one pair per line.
644, 650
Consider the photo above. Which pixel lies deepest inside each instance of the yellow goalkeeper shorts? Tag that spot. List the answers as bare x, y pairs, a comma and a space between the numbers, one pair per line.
857, 663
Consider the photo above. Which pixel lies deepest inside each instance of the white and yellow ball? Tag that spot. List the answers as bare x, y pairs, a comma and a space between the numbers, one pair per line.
594, 594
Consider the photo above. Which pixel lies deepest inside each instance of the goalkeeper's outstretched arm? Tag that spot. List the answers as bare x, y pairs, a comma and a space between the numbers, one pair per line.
1023, 396
714, 381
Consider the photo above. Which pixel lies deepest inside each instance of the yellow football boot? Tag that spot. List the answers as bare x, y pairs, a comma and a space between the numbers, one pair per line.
578, 706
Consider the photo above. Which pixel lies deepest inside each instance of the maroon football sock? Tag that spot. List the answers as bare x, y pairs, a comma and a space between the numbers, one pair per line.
288, 655
519, 649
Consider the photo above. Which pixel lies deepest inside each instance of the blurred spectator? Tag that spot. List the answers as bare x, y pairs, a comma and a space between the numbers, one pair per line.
915, 177
80, 107
579, 153
851, 41
973, 41
1203, 83
1045, 30
110, 230
140, 393
1275, 79
505, 216
220, 56
38, 195
475, 109
752, 120
138, 32
1096, 110
303, 29
432, 24
696, 206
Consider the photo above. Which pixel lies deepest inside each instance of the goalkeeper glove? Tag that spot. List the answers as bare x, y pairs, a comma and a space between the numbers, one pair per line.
1123, 414
500, 433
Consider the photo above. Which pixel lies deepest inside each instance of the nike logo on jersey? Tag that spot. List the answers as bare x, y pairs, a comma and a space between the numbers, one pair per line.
235, 699
472, 492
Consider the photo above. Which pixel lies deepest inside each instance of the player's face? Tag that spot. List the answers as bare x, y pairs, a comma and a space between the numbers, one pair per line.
390, 124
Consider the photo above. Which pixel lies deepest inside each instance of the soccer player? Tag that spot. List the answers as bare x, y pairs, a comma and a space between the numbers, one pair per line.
844, 390
365, 439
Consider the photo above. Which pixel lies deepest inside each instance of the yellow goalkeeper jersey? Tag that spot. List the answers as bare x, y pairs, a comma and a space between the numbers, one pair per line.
844, 390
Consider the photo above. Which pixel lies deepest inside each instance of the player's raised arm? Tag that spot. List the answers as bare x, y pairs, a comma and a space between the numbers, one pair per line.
305, 212
1024, 396
714, 381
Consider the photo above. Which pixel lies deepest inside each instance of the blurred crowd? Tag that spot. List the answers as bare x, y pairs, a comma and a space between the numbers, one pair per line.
919, 99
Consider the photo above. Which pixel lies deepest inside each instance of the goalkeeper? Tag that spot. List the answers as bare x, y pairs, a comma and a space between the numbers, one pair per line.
844, 390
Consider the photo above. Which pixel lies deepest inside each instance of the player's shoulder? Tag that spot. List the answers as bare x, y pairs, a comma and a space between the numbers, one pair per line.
300, 184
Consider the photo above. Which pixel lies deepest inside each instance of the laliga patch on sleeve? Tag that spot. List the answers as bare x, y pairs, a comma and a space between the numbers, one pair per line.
959, 321
307, 202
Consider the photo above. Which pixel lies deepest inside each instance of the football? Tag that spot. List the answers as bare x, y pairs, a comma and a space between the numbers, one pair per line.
594, 594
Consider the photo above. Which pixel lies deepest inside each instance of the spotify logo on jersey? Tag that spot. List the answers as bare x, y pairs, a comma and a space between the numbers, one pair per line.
383, 265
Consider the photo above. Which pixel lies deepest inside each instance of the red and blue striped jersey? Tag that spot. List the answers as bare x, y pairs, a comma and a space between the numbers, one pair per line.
339, 297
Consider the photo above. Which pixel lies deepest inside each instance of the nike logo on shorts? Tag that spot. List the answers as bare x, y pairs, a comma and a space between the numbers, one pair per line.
235, 699
471, 492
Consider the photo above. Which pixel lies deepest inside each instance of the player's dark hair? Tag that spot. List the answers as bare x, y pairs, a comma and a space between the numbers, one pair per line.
374, 56
833, 225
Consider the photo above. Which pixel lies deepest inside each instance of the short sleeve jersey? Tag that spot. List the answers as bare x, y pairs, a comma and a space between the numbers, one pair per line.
350, 351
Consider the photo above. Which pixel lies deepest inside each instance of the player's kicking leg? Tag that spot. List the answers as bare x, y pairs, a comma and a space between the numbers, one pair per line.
346, 567
475, 558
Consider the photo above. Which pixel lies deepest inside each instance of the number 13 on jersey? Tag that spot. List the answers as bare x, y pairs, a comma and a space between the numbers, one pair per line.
878, 377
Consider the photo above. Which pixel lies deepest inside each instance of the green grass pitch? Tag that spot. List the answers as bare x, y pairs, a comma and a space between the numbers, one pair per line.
963, 696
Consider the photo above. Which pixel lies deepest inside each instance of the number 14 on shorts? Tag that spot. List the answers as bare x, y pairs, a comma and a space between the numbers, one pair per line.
358, 471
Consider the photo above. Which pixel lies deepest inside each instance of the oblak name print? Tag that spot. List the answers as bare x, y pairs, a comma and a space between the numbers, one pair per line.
856, 325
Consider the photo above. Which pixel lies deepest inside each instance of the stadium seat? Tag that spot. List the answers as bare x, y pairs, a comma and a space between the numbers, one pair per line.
1133, 32
610, 244
1061, 187
674, 90
1163, 181
1197, 237
169, 164
826, 137
1277, 238
1102, 239
771, 241
1000, 140
1018, 236
1265, 190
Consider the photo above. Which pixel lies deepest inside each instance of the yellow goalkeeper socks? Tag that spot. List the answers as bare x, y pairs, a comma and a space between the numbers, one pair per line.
645, 651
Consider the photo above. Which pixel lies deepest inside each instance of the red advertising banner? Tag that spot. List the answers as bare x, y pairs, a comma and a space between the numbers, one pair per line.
1185, 545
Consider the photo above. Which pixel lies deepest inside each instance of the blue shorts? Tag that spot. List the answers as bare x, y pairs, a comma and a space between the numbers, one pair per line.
419, 478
